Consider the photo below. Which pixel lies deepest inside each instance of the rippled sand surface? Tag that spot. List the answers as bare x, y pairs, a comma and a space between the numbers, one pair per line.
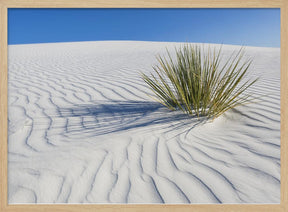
82, 129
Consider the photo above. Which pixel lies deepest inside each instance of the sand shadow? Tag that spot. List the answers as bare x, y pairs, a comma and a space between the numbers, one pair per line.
114, 116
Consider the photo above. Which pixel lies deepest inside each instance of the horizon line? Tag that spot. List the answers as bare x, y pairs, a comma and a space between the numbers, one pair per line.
78, 41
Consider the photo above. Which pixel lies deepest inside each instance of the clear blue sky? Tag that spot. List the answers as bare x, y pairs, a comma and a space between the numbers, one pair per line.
252, 27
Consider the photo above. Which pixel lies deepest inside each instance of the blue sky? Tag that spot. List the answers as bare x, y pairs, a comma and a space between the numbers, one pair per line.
251, 27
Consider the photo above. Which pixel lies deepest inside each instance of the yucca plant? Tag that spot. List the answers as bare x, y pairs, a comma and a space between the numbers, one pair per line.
199, 83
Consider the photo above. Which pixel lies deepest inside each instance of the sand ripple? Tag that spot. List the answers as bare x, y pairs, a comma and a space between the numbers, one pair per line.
83, 130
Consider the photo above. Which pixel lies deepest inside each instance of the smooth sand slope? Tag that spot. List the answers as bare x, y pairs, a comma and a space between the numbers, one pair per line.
83, 130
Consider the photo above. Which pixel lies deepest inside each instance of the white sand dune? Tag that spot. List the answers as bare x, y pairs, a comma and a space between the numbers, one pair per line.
83, 130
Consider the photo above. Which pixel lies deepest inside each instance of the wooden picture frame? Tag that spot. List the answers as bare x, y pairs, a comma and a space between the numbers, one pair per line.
5, 4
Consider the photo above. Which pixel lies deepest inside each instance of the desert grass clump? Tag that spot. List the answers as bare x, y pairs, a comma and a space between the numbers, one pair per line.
199, 83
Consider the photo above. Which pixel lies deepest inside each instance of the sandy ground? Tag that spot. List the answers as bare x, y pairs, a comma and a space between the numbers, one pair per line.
83, 130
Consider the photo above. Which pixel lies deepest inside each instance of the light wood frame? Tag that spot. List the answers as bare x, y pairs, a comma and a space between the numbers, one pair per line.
5, 4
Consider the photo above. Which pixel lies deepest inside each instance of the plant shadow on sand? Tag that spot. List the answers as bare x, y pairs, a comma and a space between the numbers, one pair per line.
116, 116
